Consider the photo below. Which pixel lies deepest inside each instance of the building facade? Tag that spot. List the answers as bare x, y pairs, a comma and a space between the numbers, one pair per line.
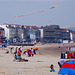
21, 33
65, 34
72, 35
54, 33
51, 33
2, 35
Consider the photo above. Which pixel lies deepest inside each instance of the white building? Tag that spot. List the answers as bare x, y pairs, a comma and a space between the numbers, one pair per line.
6, 30
13, 31
41, 34
72, 35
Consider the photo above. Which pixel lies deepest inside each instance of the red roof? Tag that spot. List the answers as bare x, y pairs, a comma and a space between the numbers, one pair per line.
72, 31
54, 25
63, 29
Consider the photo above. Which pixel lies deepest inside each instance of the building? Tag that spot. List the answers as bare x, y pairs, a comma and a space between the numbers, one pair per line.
65, 34
54, 33
2, 35
50, 33
21, 33
13, 33
72, 35
34, 33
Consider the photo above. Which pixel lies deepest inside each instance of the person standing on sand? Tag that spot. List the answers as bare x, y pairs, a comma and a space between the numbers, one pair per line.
19, 53
32, 51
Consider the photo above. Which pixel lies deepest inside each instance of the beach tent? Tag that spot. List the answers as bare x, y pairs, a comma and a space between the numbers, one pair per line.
68, 68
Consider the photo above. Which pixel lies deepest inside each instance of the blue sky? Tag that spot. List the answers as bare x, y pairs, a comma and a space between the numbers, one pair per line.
64, 15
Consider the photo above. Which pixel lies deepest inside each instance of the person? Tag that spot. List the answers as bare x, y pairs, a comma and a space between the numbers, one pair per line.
61, 62
59, 46
69, 55
16, 57
15, 51
11, 50
32, 51
29, 53
52, 68
26, 54
23, 60
7, 52
19, 53
21, 50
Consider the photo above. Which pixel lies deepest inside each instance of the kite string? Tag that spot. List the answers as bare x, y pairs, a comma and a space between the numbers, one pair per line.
37, 12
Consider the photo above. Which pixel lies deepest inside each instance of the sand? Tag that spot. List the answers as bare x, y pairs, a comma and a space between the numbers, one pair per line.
50, 55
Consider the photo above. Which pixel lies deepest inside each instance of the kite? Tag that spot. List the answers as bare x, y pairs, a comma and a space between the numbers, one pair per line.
37, 12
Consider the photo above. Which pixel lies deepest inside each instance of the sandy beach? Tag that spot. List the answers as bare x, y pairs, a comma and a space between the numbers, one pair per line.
50, 55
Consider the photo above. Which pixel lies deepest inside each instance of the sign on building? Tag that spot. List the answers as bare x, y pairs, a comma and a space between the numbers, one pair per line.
32, 36
14, 40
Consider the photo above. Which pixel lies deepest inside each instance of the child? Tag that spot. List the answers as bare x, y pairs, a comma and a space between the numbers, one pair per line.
51, 68
32, 51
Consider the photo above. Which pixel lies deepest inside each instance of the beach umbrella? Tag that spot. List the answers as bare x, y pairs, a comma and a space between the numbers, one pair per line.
68, 68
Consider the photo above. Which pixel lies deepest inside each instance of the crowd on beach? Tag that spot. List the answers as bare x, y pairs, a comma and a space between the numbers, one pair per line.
17, 54
68, 55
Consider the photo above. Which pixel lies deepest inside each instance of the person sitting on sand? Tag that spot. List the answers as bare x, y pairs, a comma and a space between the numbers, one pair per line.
7, 52
22, 60
52, 68
16, 58
15, 51
26, 54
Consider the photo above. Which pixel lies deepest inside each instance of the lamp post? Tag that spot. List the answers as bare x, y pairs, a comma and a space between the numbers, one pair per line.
22, 37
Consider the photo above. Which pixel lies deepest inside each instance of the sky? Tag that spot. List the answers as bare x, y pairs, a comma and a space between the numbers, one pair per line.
63, 15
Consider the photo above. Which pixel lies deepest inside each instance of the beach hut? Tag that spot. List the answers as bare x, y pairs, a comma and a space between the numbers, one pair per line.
68, 68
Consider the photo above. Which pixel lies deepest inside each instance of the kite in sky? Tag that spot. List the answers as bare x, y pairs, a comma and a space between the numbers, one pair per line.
37, 12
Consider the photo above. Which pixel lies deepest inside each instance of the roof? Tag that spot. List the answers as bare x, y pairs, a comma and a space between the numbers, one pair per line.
63, 29
54, 25
72, 31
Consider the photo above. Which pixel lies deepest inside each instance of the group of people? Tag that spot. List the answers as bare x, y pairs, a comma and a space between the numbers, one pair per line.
29, 52
9, 51
18, 52
17, 55
68, 55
